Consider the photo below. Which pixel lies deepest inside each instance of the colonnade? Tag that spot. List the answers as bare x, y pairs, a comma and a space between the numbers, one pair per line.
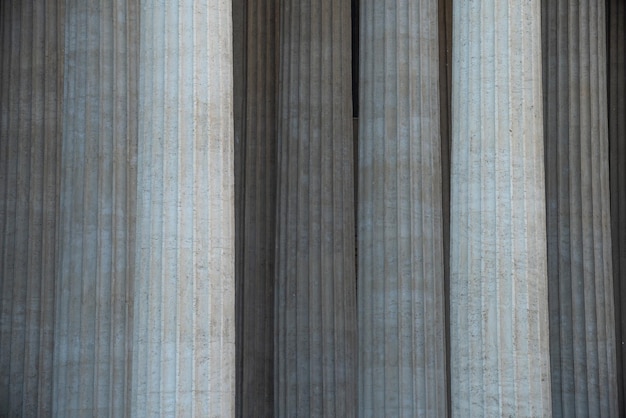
190, 225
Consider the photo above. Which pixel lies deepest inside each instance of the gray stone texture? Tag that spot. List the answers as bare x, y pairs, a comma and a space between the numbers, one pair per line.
498, 281
582, 345
184, 316
31, 90
92, 321
315, 349
617, 163
402, 352
257, 196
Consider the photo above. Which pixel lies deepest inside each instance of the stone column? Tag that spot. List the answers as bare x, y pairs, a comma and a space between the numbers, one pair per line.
582, 345
617, 164
315, 301
402, 351
498, 284
31, 89
184, 344
99, 133
258, 209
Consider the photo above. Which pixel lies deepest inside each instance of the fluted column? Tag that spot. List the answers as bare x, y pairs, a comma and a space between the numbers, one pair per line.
402, 353
617, 164
582, 346
498, 284
31, 88
258, 206
315, 301
183, 350
99, 133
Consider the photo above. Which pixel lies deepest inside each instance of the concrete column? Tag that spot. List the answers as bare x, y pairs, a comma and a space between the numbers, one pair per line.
258, 209
31, 89
99, 134
582, 345
617, 164
402, 352
498, 284
184, 333
315, 301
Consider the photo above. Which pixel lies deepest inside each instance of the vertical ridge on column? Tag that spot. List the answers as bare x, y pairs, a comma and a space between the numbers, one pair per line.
31, 35
402, 350
315, 351
91, 349
617, 141
498, 284
578, 210
183, 346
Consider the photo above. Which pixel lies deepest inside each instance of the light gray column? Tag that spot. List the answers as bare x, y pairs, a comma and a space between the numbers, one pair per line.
31, 81
258, 181
184, 344
402, 352
99, 132
582, 345
315, 301
498, 284
617, 164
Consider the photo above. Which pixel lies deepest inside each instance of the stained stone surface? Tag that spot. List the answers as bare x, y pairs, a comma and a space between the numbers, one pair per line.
257, 197
31, 90
582, 345
184, 316
402, 354
91, 310
498, 283
617, 146
315, 346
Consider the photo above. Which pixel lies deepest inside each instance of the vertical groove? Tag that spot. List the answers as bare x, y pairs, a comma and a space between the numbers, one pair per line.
316, 354
617, 139
30, 71
401, 340
184, 346
578, 210
498, 338
90, 351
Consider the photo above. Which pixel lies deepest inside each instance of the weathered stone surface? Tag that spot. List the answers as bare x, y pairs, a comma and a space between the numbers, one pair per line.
96, 205
402, 353
582, 345
256, 192
315, 278
184, 317
617, 163
498, 284
31, 89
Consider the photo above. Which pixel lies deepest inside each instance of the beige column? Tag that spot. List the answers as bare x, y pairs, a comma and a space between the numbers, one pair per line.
91, 344
257, 188
31, 88
184, 318
582, 345
402, 352
315, 296
617, 164
498, 284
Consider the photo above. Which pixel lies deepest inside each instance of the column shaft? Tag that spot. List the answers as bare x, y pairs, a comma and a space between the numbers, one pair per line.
95, 247
183, 349
315, 301
582, 346
31, 80
617, 164
402, 354
259, 146
498, 284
